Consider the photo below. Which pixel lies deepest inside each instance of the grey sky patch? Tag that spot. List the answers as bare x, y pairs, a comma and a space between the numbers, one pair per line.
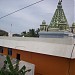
33, 16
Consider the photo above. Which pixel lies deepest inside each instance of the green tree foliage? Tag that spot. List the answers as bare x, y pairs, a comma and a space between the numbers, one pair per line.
23, 33
31, 33
9, 69
37, 32
17, 35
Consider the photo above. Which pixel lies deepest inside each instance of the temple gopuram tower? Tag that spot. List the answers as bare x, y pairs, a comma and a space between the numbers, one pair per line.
59, 19
58, 27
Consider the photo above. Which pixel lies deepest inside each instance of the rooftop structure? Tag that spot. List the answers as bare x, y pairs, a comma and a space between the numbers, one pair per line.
57, 47
51, 53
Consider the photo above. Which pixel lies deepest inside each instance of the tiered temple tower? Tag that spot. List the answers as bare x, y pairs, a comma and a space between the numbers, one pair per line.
58, 26
59, 21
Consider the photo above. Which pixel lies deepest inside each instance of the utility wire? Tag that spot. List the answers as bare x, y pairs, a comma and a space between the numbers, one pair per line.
70, 60
21, 9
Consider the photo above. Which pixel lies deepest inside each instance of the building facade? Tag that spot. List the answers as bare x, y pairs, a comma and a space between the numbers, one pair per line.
50, 56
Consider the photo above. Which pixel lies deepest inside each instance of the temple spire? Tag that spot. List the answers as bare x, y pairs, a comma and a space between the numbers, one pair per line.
59, 6
60, 0
59, 17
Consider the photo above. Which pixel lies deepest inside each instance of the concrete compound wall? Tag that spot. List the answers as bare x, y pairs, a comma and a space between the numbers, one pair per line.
45, 64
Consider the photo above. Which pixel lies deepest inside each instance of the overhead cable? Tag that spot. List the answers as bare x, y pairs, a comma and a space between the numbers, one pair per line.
21, 9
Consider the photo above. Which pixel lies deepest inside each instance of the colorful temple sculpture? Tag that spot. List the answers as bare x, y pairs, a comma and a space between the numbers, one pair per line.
58, 26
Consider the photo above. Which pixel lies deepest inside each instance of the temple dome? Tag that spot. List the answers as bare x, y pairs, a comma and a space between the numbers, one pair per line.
43, 22
73, 25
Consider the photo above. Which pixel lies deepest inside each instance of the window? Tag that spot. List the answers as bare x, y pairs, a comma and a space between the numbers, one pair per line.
18, 56
9, 51
1, 49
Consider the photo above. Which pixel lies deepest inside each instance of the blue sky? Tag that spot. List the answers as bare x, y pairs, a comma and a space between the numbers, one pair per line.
33, 16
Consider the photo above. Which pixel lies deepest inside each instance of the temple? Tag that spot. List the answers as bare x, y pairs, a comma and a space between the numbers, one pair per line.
59, 19
58, 26
44, 56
